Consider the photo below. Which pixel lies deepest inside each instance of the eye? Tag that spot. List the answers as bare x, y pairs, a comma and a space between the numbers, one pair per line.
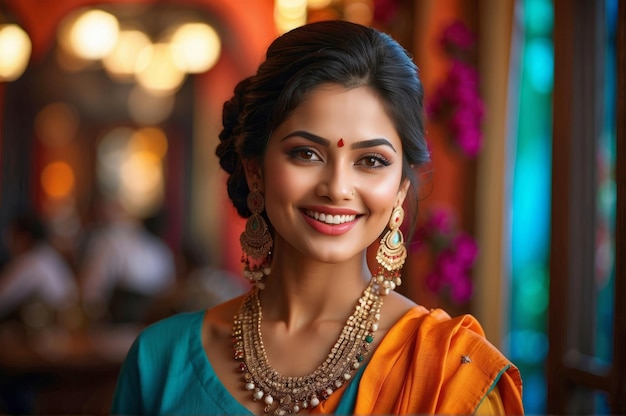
373, 161
304, 153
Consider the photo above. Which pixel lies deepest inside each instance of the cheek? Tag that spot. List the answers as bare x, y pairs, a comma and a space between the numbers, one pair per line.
381, 195
283, 185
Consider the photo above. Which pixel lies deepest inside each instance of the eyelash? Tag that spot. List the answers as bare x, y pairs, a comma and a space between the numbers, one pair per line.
296, 153
378, 158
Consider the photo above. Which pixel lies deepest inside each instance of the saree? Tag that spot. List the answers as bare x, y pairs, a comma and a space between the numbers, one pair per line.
430, 363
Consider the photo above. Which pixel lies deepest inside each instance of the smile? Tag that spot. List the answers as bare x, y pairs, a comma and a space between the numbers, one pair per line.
329, 218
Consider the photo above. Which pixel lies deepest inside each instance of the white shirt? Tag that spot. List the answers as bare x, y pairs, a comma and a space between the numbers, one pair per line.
40, 272
127, 256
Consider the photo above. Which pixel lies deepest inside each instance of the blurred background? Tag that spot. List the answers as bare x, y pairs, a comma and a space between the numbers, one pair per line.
114, 212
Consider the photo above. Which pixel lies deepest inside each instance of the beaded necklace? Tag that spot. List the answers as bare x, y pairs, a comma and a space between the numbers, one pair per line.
282, 394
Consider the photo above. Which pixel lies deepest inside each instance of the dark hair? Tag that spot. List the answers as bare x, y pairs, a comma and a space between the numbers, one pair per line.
331, 51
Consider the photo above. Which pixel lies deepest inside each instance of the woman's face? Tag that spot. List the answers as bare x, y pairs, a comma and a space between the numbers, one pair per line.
332, 173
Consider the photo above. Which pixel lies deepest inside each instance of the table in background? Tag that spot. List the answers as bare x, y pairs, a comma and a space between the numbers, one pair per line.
56, 371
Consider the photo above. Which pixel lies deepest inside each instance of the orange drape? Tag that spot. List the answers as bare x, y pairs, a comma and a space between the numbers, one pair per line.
417, 369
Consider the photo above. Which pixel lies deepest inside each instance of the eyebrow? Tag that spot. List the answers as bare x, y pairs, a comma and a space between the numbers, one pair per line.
310, 136
325, 142
372, 143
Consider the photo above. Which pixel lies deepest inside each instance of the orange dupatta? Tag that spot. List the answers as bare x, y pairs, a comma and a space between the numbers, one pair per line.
418, 369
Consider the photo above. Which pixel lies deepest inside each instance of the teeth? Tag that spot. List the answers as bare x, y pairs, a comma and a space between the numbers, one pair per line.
330, 219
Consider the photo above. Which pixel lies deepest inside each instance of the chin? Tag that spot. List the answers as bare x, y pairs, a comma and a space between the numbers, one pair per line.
333, 256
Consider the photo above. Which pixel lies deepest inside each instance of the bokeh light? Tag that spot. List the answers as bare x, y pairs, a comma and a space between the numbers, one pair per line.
121, 62
130, 168
15, 49
156, 68
289, 14
57, 179
56, 124
91, 34
199, 45
318, 4
149, 140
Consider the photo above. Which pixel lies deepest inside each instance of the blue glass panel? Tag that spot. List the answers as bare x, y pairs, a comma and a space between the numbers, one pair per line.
606, 204
530, 233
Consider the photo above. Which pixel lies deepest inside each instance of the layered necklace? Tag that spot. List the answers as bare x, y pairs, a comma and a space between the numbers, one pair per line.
281, 394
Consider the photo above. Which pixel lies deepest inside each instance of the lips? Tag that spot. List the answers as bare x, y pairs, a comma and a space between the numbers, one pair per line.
330, 219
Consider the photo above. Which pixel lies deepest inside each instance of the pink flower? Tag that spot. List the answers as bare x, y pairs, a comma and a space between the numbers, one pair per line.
441, 221
455, 253
461, 290
449, 267
458, 36
469, 141
466, 249
461, 72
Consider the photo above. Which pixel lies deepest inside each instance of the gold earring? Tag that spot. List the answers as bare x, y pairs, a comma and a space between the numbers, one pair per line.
391, 254
256, 242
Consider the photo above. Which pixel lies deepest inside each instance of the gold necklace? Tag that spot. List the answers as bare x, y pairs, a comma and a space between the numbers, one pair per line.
284, 394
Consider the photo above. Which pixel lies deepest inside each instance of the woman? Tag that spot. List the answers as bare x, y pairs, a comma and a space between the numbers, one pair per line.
320, 146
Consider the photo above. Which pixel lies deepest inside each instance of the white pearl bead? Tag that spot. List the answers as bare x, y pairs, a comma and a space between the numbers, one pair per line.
269, 399
314, 401
329, 391
296, 409
250, 386
374, 327
258, 395
347, 376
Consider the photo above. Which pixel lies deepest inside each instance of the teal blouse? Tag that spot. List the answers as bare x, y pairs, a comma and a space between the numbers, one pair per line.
167, 371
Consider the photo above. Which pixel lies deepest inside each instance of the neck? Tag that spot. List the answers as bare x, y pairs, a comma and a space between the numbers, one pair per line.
301, 291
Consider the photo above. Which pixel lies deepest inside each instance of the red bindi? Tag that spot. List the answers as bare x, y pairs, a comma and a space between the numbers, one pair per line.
340, 143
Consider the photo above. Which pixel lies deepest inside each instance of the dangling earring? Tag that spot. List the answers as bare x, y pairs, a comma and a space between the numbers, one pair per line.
256, 242
391, 254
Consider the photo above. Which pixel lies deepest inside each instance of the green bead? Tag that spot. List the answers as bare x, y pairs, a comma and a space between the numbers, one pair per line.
360, 358
369, 339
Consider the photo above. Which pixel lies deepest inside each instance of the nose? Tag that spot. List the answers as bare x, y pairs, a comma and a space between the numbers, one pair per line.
337, 183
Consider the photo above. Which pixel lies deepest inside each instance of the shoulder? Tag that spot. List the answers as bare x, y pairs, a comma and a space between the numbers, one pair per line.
166, 334
445, 335
441, 362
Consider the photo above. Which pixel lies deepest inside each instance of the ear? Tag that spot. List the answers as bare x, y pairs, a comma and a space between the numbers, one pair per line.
403, 191
254, 173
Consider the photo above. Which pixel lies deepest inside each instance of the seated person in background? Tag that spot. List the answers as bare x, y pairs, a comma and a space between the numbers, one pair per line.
125, 268
36, 283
